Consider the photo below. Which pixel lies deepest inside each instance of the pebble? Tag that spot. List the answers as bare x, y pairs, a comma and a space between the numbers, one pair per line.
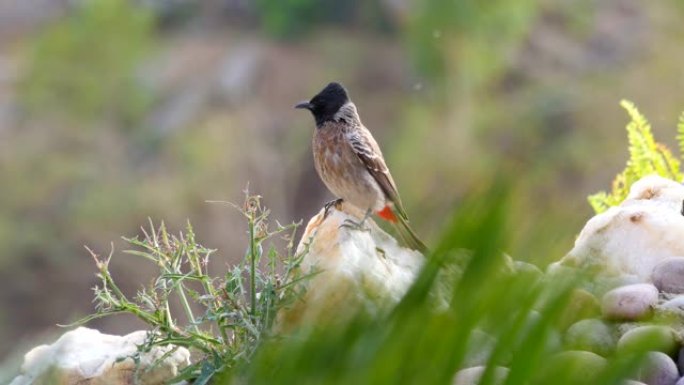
655, 338
581, 305
680, 360
553, 338
557, 271
479, 348
658, 369
630, 303
471, 376
668, 275
601, 284
592, 335
531, 272
574, 366
676, 304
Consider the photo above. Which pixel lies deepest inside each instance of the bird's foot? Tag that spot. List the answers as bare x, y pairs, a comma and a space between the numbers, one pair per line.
353, 225
335, 202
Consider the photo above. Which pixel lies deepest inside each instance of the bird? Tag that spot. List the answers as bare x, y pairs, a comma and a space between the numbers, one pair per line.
350, 164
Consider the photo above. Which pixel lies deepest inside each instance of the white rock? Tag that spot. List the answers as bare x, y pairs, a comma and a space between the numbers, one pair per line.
668, 275
87, 356
658, 369
635, 236
631, 302
353, 267
675, 304
471, 376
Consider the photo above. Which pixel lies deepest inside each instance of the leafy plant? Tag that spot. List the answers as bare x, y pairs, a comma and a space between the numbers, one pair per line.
646, 157
223, 319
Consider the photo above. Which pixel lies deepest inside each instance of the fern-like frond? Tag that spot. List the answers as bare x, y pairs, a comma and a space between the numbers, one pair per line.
646, 157
680, 134
599, 201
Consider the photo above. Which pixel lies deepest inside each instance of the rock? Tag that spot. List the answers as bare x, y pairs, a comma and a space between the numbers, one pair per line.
471, 376
479, 348
87, 356
656, 338
635, 236
680, 360
675, 304
556, 271
680, 382
553, 340
631, 302
668, 275
354, 268
574, 366
582, 304
632, 382
531, 272
592, 335
600, 284
658, 369
671, 311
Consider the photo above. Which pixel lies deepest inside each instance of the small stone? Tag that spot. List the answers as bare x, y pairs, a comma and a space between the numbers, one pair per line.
668, 275
471, 376
655, 338
680, 382
601, 284
531, 272
630, 303
582, 305
479, 348
632, 382
680, 360
676, 304
592, 335
670, 312
557, 271
573, 366
658, 369
553, 338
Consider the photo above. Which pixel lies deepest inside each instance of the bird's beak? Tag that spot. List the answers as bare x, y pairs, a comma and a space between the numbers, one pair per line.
304, 104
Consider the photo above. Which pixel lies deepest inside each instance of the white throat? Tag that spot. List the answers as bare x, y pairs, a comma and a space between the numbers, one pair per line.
347, 112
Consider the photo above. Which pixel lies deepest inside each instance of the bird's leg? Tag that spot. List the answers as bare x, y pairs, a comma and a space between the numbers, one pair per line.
328, 205
353, 225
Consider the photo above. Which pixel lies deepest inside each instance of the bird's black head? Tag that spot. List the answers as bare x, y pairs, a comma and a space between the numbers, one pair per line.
326, 103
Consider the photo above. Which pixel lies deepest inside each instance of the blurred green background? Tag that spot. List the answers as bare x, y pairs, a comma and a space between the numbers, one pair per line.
113, 111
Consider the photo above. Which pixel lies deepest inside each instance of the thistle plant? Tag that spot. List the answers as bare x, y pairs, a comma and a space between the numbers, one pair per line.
222, 320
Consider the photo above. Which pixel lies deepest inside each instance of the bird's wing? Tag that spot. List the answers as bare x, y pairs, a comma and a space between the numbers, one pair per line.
366, 148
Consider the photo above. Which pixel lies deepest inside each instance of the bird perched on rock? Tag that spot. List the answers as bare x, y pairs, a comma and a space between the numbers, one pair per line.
350, 163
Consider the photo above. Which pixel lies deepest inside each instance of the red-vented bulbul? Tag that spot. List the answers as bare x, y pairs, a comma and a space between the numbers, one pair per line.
350, 163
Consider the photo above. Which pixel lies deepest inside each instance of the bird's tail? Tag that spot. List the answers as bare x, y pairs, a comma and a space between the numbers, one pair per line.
408, 235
